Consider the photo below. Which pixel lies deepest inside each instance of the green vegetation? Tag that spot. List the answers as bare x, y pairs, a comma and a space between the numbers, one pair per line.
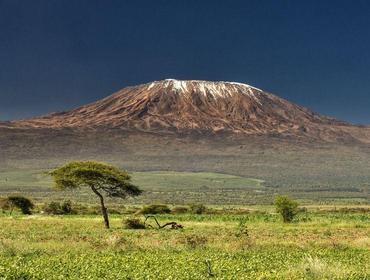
258, 245
155, 209
286, 207
57, 208
322, 173
63, 239
184, 188
133, 223
102, 179
159, 187
197, 208
20, 202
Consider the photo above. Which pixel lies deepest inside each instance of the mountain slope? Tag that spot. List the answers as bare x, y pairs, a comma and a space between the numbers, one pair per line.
200, 107
200, 126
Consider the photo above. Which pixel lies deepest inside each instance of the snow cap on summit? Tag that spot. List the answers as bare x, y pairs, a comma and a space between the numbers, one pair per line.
214, 88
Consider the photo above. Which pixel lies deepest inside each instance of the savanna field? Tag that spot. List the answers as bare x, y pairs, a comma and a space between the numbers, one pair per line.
218, 240
321, 243
184, 140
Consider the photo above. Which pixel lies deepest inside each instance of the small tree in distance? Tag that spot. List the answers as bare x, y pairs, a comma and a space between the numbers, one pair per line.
20, 202
287, 207
103, 179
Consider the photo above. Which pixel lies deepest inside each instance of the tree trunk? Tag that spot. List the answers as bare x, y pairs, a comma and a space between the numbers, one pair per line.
103, 208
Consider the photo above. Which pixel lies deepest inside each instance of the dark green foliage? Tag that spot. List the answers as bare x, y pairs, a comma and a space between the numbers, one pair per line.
57, 208
67, 207
198, 208
155, 209
287, 207
101, 178
22, 203
52, 208
132, 223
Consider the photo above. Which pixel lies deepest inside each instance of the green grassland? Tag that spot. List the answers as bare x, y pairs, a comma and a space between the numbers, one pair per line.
251, 246
240, 237
248, 241
172, 187
314, 172
162, 187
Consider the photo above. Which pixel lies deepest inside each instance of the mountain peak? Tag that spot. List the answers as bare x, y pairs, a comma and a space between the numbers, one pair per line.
215, 88
194, 106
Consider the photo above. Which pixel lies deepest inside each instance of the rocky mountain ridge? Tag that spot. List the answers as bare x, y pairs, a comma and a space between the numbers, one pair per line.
198, 107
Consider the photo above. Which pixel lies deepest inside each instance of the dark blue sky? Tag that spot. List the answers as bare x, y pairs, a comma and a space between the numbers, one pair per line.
55, 55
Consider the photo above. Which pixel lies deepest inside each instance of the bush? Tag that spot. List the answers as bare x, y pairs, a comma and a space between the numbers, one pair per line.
20, 202
197, 208
180, 210
287, 207
57, 208
155, 209
66, 207
52, 208
132, 223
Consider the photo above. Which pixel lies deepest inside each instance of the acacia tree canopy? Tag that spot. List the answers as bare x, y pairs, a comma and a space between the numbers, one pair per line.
103, 179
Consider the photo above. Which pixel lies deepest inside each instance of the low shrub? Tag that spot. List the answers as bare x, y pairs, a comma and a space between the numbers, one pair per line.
133, 223
286, 207
155, 209
52, 208
197, 208
57, 208
66, 207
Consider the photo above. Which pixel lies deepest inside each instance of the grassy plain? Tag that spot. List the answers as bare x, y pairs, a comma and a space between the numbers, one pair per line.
171, 187
326, 242
316, 172
161, 186
318, 245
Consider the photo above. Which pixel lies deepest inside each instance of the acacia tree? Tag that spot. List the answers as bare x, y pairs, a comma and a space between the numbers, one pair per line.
103, 179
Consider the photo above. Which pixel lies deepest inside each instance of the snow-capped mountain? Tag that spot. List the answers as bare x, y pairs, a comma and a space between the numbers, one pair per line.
195, 106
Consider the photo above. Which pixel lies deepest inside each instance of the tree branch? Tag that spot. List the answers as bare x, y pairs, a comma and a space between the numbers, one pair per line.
173, 225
